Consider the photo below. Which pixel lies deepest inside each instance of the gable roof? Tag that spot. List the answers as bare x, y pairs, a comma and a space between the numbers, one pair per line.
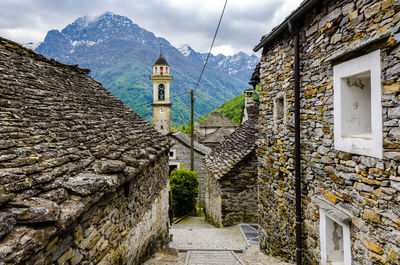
216, 119
65, 141
183, 138
232, 150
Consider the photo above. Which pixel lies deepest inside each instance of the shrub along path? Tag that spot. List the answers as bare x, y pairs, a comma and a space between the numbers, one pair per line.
199, 243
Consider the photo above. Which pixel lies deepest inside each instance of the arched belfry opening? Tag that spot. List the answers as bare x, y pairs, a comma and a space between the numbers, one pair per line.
161, 92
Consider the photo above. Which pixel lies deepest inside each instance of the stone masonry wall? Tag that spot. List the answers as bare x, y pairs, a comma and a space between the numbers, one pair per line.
232, 199
125, 226
212, 199
367, 188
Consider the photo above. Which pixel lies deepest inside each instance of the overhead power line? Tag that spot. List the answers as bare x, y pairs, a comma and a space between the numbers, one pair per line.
212, 44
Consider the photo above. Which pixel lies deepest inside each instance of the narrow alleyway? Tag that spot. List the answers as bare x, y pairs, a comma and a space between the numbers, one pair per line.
199, 243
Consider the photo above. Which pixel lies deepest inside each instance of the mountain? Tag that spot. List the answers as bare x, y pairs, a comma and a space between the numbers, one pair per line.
239, 65
120, 55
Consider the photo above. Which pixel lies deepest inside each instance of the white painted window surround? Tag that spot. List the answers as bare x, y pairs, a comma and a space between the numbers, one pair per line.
335, 241
357, 105
172, 154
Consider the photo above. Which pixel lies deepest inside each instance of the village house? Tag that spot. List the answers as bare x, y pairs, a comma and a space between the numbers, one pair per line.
230, 173
328, 138
83, 178
212, 130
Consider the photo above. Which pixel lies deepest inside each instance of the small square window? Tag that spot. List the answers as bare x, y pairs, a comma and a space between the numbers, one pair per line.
357, 105
280, 106
172, 154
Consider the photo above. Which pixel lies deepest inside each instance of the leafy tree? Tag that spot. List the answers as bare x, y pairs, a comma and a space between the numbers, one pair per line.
184, 189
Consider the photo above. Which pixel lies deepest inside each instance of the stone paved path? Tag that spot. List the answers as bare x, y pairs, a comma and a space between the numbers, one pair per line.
212, 258
203, 244
194, 233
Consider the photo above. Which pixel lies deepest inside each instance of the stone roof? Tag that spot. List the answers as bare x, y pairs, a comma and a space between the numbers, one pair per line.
216, 119
233, 149
183, 138
65, 141
256, 73
217, 136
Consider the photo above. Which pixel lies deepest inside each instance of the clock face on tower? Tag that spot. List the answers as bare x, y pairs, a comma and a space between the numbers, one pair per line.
161, 111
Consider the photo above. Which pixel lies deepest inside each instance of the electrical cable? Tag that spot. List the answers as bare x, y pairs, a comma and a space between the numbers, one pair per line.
212, 44
175, 96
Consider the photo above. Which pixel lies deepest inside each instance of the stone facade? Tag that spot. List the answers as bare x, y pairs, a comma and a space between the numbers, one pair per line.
358, 192
213, 130
230, 179
83, 179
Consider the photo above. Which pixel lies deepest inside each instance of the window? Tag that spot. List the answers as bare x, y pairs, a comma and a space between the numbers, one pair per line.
161, 92
280, 106
161, 70
357, 105
335, 240
172, 154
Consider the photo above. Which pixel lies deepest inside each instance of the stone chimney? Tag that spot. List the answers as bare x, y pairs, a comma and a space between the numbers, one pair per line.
248, 97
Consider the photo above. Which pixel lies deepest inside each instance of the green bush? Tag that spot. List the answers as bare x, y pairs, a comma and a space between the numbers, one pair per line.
184, 190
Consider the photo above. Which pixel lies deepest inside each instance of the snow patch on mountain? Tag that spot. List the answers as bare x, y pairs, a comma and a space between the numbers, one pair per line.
31, 45
185, 50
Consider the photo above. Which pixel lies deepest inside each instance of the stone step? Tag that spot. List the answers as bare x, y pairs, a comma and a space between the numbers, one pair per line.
212, 258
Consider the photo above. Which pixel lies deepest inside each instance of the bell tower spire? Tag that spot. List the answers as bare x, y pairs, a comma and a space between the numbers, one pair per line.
161, 95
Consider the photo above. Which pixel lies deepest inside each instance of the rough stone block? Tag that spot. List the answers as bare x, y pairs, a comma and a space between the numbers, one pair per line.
34, 210
372, 216
7, 222
109, 166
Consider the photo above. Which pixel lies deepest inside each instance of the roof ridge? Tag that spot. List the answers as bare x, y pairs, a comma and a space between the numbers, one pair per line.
18, 48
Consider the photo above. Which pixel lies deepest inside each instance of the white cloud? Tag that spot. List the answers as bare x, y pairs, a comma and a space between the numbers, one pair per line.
179, 21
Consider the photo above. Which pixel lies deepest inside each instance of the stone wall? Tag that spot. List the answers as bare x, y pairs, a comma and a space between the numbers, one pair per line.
126, 226
212, 199
232, 199
365, 188
83, 179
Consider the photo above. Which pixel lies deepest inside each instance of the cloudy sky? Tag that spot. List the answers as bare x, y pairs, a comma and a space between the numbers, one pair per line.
181, 22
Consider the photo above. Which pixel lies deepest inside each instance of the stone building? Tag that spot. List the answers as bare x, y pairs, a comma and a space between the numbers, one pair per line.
330, 84
212, 130
179, 155
230, 178
83, 179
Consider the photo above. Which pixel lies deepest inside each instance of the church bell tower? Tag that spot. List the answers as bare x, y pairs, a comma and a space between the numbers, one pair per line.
161, 96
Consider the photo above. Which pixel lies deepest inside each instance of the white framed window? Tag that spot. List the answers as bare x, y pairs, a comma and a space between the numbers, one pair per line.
280, 109
357, 105
172, 154
335, 240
